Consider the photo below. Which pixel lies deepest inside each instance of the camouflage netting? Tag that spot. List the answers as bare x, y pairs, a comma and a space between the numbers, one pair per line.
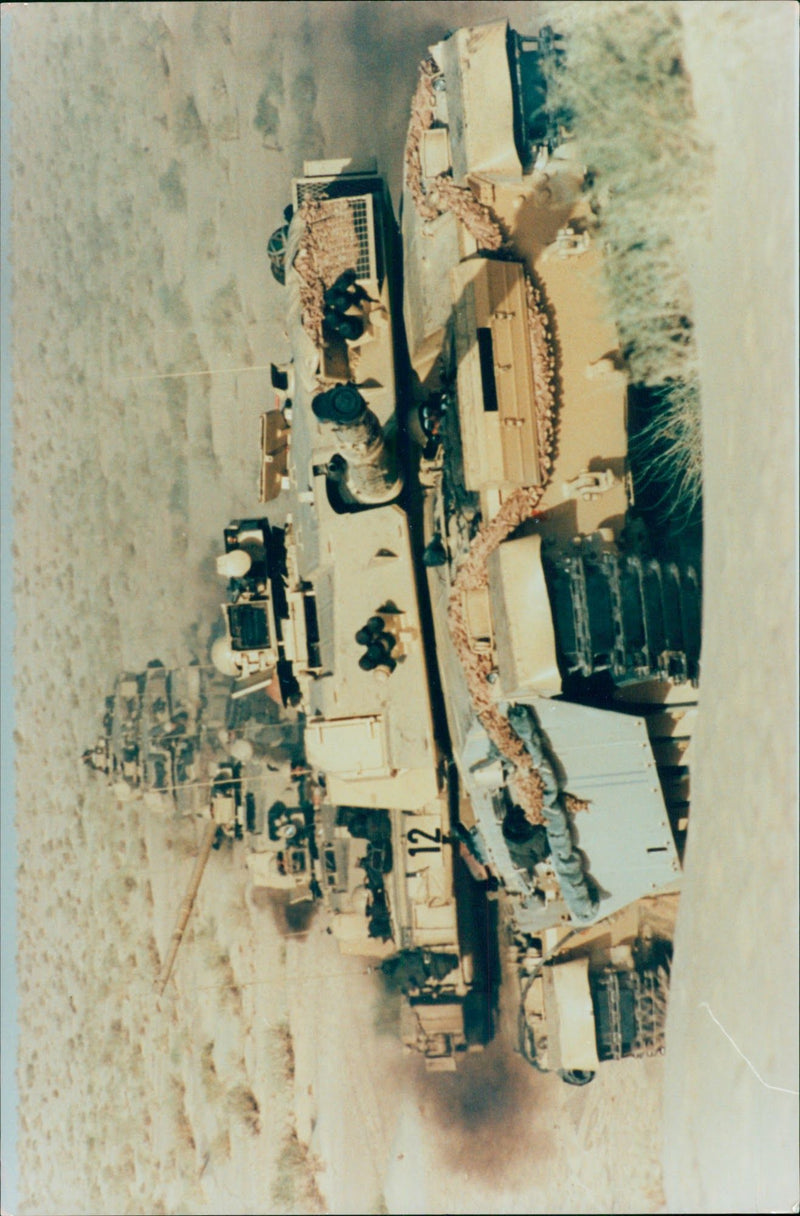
422, 108
545, 374
480, 223
443, 194
526, 783
328, 247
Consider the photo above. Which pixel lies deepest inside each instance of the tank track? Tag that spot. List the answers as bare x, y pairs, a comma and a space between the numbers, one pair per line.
625, 615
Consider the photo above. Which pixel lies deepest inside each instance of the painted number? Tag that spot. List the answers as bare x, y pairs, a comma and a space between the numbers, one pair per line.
417, 834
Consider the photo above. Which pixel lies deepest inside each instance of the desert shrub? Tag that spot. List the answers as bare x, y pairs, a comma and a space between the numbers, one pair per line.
217, 961
179, 502
220, 1149
224, 312
267, 118
173, 305
215, 958
211, 22
630, 105
207, 240
190, 358
283, 1050
303, 92
189, 127
184, 1132
295, 1186
668, 450
242, 1104
208, 1073
172, 188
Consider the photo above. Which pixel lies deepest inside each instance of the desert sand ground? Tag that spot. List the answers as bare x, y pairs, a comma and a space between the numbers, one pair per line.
152, 147
732, 1126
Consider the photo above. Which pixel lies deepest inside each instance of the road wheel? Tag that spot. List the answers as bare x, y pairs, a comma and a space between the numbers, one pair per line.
276, 252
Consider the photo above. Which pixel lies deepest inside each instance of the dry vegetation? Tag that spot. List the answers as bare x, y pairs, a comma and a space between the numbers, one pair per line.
283, 1051
626, 96
295, 1187
124, 278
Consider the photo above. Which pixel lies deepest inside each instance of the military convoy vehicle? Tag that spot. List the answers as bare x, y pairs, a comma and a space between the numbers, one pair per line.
493, 669
354, 634
186, 744
557, 656
158, 731
568, 651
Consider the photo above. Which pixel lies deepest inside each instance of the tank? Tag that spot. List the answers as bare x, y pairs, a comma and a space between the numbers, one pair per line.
567, 637
185, 742
508, 663
491, 661
355, 622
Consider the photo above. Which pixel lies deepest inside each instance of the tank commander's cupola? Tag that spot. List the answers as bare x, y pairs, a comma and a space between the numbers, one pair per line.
370, 477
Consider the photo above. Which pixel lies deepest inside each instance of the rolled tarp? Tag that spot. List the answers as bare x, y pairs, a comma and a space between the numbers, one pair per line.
565, 857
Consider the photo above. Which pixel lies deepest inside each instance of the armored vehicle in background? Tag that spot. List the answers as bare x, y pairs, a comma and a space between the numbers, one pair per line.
179, 739
160, 735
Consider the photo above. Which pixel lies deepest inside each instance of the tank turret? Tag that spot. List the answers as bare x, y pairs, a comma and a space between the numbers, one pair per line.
367, 465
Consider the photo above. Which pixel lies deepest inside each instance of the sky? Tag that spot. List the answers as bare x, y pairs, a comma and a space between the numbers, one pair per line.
9, 1189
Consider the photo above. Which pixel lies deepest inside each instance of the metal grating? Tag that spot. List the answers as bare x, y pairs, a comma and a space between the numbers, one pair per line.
362, 222
361, 208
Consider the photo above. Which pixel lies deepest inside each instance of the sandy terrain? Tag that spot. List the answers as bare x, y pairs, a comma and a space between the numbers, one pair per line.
495, 1137
732, 1127
142, 193
152, 151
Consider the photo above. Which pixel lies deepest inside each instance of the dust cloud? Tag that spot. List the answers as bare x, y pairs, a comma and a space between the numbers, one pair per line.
487, 1119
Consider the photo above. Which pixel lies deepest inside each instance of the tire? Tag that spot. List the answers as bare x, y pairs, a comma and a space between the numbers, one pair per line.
526, 1044
276, 252
576, 1076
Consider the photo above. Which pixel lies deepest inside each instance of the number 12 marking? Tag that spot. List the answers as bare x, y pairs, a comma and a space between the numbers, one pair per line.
417, 834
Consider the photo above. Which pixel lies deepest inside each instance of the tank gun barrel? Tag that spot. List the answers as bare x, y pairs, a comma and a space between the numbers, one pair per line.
186, 906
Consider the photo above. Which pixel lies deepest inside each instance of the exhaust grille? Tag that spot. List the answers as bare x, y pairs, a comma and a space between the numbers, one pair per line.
361, 210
